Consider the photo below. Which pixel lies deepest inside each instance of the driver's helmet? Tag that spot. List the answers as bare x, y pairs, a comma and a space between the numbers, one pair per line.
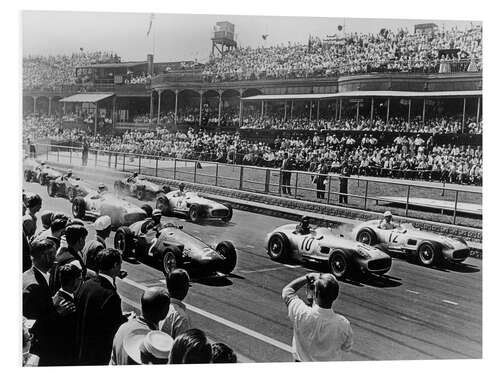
69, 172
304, 220
101, 188
42, 163
387, 214
156, 213
135, 174
182, 186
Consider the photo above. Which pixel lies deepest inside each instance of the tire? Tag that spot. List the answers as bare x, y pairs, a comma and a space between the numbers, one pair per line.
228, 252
339, 266
229, 216
163, 207
41, 179
367, 236
78, 208
194, 213
140, 194
148, 209
71, 194
171, 260
27, 175
51, 189
427, 254
124, 241
278, 246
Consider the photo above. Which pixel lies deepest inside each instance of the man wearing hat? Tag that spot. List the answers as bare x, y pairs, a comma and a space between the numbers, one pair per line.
145, 347
386, 222
102, 229
68, 174
46, 219
33, 204
154, 222
56, 229
155, 304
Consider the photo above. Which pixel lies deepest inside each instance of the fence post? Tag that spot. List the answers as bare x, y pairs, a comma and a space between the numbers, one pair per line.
70, 154
329, 189
156, 167
296, 183
109, 159
455, 208
47, 153
95, 163
407, 200
139, 163
116, 159
241, 177
266, 183
216, 173
195, 165
57, 149
123, 167
279, 183
175, 167
366, 193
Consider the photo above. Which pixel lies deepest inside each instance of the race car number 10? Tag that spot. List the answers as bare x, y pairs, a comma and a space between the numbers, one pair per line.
306, 243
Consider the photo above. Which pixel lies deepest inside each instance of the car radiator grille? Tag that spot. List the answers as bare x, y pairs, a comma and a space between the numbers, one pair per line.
379, 264
219, 213
460, 254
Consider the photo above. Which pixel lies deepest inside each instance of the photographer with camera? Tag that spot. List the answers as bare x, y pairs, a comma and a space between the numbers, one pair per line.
319, 334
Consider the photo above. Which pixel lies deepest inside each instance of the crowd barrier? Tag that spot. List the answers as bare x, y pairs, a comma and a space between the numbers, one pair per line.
370, 194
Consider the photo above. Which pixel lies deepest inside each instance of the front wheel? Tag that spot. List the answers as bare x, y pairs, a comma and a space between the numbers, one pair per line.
41, 179
140, 194
71, 194
78, 208
339, 265
194, 213
229, 216
27, 175
277, 247
172, 259
366, 236
227, 251
124, 241
427, 254
51, 189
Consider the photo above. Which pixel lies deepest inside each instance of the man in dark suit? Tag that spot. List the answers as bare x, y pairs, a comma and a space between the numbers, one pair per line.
98, 311
286, 166
64, 330
344, 182
37, 300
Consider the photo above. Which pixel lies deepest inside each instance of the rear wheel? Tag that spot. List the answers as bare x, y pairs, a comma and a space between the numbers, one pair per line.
172, 259
41, 179
71, 194
229, 215
228, 252
194, 213
427, 254
277, 247
51, 189
124, 241
367, 236
27, 175
78, 208
140, 194
339, 264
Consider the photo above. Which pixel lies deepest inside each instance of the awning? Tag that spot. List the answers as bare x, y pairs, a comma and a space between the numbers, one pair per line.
358, 94
87, 97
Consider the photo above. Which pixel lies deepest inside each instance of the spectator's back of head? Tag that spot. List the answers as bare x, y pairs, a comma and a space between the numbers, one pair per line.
69, 274
75, 233
221, 353
46, 218
178, 283
327, 290
107, 259
155, 303
33, 201
191, 347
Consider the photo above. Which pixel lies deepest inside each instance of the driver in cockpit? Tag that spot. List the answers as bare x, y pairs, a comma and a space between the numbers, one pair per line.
303, 227
386, 222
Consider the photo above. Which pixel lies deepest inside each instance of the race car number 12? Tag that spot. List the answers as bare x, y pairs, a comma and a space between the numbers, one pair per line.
306, 243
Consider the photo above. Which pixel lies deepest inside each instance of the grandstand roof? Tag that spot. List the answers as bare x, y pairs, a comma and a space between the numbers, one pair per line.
87, 98
114, 65
354, 94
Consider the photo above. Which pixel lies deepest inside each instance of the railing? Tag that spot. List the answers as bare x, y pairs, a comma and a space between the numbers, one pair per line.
460, 206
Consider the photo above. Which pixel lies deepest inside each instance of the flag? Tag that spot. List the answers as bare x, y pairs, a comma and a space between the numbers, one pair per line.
150, 23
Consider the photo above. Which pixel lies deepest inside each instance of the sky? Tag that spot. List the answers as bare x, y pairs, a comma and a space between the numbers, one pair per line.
177, 37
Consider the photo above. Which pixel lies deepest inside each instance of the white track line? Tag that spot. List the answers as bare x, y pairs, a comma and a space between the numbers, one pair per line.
228, 323
412, 291
261, 270
450, 302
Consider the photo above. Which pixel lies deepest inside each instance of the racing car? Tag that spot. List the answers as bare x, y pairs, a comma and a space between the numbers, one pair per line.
171, 247
425, 247
139, 187
70, 188
96, 204
31, 169
193, 206
344, 257
44, 173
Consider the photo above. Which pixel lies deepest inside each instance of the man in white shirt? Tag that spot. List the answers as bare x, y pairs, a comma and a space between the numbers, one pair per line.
319, 334
177, 320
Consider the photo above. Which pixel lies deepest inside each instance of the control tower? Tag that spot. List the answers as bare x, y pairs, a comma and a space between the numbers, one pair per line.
223, 38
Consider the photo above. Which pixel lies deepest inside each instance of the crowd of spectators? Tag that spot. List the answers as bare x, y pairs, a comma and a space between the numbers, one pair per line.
137, 79
387, 51
53, 71
72, 310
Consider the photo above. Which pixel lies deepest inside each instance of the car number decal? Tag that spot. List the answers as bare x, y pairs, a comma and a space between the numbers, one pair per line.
393, 237
306, 243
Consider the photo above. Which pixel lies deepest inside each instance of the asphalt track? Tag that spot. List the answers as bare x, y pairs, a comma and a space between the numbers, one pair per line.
413, 313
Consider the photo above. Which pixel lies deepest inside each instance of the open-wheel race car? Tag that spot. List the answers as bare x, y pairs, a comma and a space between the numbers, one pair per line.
35, 171
139, 187
97, 204
31, 168
425, 247
343, 256
68, 187
170, 247
193, 206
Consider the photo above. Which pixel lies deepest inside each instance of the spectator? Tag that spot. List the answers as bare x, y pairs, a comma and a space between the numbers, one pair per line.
319, 334
191, 347
34, 204
147, 347
37, 300
103, 229
177, 320
63, 334
286, 167
155, 303
56, 230
29, 360
98, 311
221, 353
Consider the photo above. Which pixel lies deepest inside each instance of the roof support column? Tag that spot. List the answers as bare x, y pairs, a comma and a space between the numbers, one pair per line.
409, 115
220, 107
357, 113
317, 112
95, 119
241, 108
50, 105
310, 110
388, 111
175, 108
463, 116
423, 113
64, 108
261, 109
291, 110
113, 114
159, 106
34, 104
371, 113
201, 104
284, 118
151, 105
478, 108
340, 109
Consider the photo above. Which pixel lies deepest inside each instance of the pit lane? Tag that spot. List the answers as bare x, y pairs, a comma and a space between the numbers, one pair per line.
414, 313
